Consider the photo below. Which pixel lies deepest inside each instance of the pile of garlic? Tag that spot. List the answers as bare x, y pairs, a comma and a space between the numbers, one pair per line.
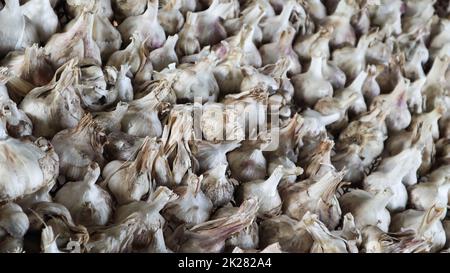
129, 126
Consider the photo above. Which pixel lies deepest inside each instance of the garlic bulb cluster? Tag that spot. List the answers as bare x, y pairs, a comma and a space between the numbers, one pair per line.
253, 126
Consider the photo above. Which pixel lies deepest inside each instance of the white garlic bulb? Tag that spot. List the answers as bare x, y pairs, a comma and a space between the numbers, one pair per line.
89, 204
55, 106
368, 209
247, 163
165, 55
78, 147
152, 33
192, 207
13, 221
42, 17
112, 121
136, 174
217, 187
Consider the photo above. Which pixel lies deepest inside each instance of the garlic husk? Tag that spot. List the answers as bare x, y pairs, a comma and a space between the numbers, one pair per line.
18, 32
377, 241
42, 16
13, 221
149, 210
311, 86
349, 231
217, 187
55, 106
48, 241
210, 236
165, 55
282, 47
248, 238
368, 209
318, 197
192, 207
266, 192
26, 166
153, 33
78, 147
76, 42
131, 180
323, 240
426, 224
89, 204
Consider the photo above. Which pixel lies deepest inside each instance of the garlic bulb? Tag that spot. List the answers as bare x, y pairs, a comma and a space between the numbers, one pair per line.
210, 236
18, 32
289, 233
434, 191
152, 33
217, 187
353, 60
26, 166
251, 16
228, 73
311, 85
308, 45
272, 52
92, 88
121, 87
59, 219
370, 88
188, 43
13, 221
286, 163
88, 204
359, 106
339, 105
55, 106
111, 121
377, 241
333, 74
266, 191
17, 122
243, 40
121, 146
130, 55
247, 163
323, 240
11, 245
102, 7
42, 17
247, 238
426, 224
76, 42
368, 209
170, 16
131, 180
162, 57
272, 27
343, 33
212, 154
149, 210
127, 8
141, 118
78, 147
210, 29
192, 207
317, 197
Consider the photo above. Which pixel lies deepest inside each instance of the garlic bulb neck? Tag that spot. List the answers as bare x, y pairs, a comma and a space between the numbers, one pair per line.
316, 67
